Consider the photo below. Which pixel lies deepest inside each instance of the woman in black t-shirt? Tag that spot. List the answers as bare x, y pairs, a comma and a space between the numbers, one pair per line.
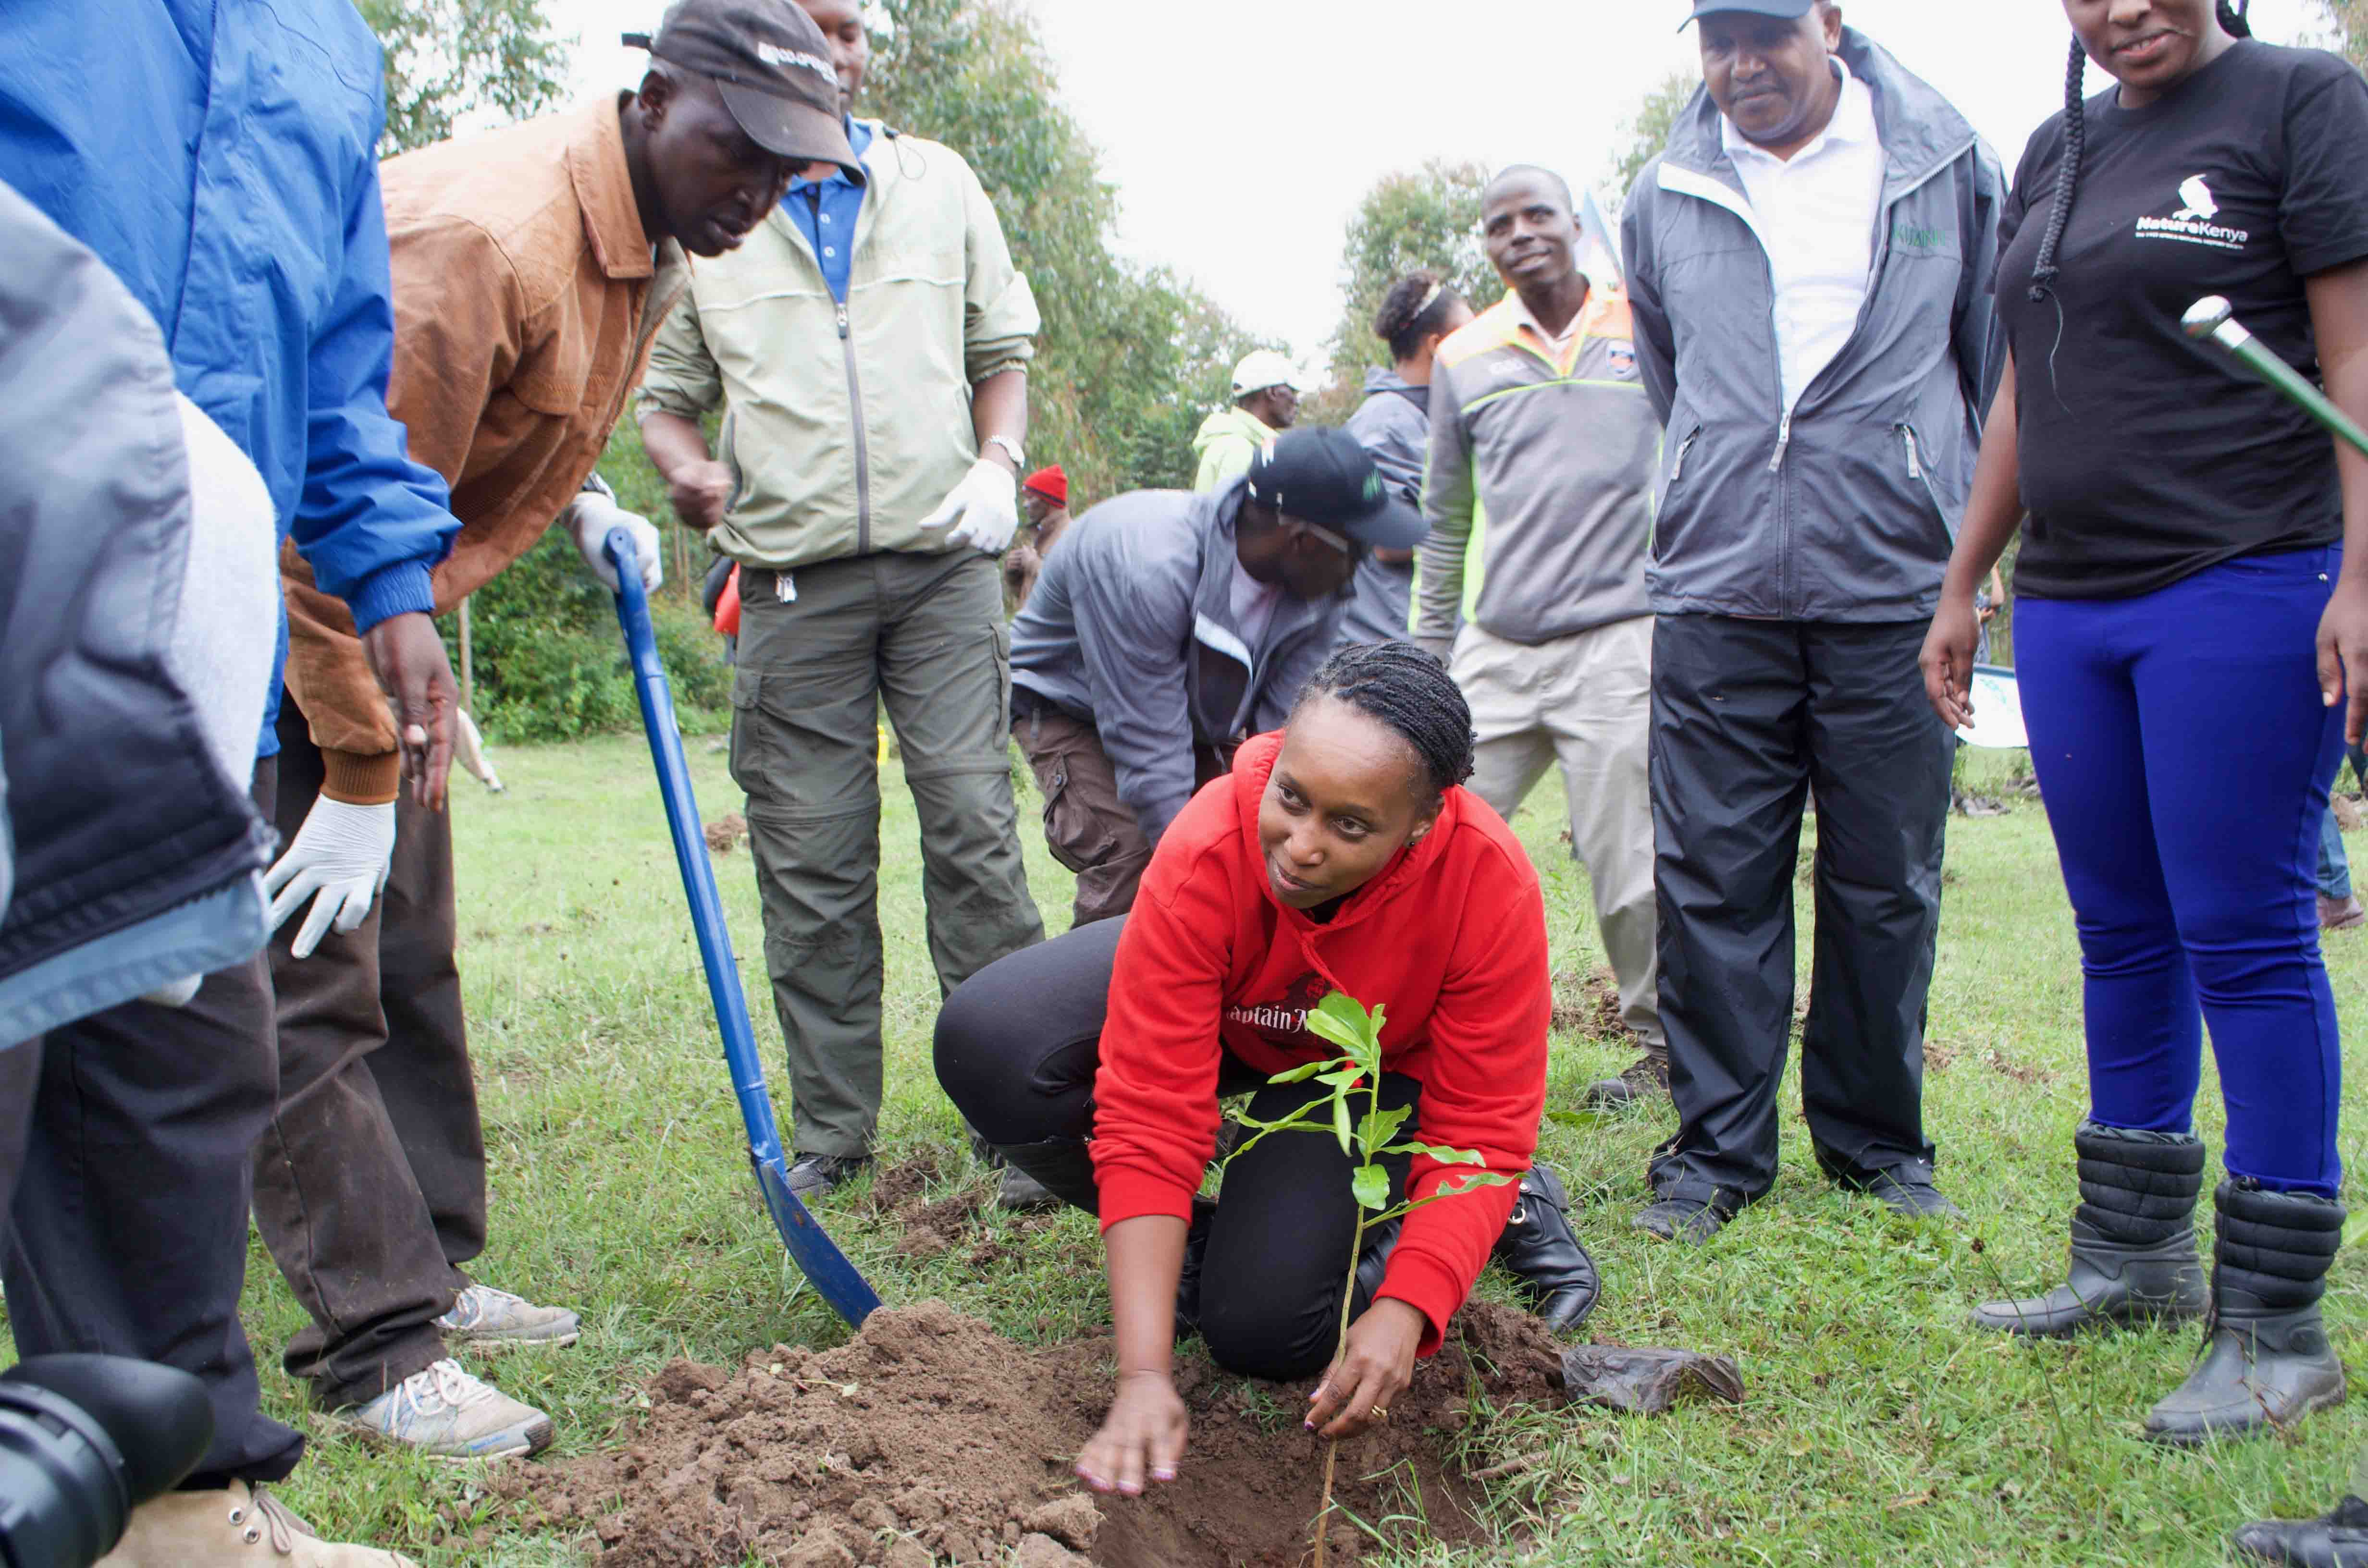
2184, 619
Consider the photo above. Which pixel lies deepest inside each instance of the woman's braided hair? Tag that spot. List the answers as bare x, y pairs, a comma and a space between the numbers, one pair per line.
2076, 143
1416, 306
1411, 692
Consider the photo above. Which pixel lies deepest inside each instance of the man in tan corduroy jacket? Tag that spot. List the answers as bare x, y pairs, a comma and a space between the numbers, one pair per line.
532, 268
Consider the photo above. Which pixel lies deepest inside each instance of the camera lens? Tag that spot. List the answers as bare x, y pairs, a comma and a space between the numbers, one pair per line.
84, 1440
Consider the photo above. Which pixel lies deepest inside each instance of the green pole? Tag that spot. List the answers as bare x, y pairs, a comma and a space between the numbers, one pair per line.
2213, 320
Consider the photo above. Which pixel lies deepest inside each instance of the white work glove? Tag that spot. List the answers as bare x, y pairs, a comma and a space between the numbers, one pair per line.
984, 508
343, 852
591, 516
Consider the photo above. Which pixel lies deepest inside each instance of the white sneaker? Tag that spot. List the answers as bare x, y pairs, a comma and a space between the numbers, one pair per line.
483, 1315
445, 1413
236, 1527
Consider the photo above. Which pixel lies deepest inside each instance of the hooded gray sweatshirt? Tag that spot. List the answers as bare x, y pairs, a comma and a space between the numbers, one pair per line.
1131, 630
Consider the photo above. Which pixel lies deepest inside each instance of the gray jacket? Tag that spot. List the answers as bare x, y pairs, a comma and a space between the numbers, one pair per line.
1132, 629
1845, 508
136, 637
1394, 427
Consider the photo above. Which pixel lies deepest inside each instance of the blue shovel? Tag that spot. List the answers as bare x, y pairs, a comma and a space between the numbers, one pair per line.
832, 1276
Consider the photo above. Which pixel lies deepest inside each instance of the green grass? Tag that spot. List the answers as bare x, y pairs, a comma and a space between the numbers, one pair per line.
1879, 1427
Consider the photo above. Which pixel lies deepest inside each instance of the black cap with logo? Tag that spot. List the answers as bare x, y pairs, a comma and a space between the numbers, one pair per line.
1321, 475
773, 66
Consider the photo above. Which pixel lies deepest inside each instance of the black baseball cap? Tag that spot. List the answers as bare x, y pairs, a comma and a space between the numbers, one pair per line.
773, 67
1322, 476
1757, 7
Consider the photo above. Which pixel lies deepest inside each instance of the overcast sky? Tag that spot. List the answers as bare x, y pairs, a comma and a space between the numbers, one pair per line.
1240, 137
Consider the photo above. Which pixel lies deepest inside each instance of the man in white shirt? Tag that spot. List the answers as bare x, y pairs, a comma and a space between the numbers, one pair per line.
1809, 264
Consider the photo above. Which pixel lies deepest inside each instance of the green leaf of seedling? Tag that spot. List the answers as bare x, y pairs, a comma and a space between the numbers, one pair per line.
1440, 1151
1304, 1071
1372, 1185
1340, 1078
1340, 1120
1381, 1126
1343, 1025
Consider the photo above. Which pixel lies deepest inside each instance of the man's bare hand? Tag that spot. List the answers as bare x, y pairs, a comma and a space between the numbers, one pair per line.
407, 656
702, 492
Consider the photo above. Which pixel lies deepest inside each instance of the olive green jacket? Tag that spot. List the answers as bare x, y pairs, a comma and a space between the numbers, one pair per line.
845, 426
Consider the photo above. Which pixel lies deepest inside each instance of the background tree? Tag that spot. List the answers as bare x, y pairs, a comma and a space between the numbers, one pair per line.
451, 60
2350, 20
1427, 218
1130, 359
1644, 134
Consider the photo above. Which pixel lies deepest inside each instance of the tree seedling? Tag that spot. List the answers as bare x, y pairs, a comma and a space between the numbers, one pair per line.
1365, 1137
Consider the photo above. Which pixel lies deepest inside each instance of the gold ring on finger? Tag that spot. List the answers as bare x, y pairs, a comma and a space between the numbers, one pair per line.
1381, 1412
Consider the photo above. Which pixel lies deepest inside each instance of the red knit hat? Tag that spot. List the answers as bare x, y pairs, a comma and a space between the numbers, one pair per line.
1049, 483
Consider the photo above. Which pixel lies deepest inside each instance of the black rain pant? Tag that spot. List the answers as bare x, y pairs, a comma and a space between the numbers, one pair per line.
1017, 1046
1750, 719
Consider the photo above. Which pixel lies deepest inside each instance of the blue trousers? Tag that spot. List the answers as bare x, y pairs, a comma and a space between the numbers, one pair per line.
2186, 759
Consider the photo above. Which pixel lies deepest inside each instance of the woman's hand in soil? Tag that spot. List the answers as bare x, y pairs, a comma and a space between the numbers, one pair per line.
1142, 1435
1372, 1373
1948, 660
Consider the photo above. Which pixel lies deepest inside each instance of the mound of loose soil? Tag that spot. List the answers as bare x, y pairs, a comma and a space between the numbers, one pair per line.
1590, 1004
929, 1439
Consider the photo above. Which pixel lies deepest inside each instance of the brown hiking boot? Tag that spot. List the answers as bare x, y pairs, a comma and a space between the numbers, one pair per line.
2340, 914
235, 1527
1643, 1079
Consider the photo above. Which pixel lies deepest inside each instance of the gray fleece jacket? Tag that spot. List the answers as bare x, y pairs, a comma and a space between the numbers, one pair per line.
1541, 471
1132, 629
1394, 427
1845, 506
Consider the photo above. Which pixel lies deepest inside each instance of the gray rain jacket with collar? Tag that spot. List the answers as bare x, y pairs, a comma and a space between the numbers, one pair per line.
137, 628
1394, 427
1845, 506
1131, 630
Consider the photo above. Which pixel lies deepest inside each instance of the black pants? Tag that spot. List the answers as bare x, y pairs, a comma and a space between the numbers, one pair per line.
1750, 718
1016, 1049
128, 1224
369, 1178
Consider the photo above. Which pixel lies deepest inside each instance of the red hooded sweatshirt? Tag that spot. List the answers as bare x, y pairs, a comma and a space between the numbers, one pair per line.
1451, 938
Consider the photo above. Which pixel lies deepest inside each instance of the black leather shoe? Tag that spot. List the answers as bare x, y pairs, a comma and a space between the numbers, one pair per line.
1683, 1220
1017, 1190
1642, 1079
1915, 1198
814, 1176
2338, 1539
1538, 1246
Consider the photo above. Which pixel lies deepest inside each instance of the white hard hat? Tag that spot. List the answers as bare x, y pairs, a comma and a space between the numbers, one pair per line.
1262, 369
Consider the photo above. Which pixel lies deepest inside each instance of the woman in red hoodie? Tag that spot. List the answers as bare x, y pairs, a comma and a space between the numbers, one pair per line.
1342, 854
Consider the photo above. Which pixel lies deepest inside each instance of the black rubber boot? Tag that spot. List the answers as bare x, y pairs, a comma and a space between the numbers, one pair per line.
2338, 1539
1062, 1166
1540, 1250
2133, 1239
2266, 1359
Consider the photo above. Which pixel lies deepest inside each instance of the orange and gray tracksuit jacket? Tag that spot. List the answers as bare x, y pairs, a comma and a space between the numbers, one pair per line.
1539, 492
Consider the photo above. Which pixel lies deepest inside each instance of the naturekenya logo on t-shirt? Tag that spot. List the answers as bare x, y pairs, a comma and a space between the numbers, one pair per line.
2192, 224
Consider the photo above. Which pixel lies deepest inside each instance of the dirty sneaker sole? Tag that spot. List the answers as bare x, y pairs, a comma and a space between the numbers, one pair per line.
548, 1337
517, 1442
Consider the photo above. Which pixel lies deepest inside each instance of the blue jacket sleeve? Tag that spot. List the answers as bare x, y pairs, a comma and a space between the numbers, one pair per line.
371, 522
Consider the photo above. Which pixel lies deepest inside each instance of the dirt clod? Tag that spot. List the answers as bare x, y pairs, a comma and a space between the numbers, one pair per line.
724, 833
1590, 1004
929, 1439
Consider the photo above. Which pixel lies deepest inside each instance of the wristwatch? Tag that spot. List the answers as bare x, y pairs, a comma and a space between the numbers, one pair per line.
1018, 457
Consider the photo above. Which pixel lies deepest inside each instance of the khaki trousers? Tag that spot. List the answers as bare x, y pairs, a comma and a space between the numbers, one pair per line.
1584, 702
925, 635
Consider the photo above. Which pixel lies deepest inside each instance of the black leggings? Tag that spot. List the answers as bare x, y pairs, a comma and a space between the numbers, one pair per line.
1016, 1049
